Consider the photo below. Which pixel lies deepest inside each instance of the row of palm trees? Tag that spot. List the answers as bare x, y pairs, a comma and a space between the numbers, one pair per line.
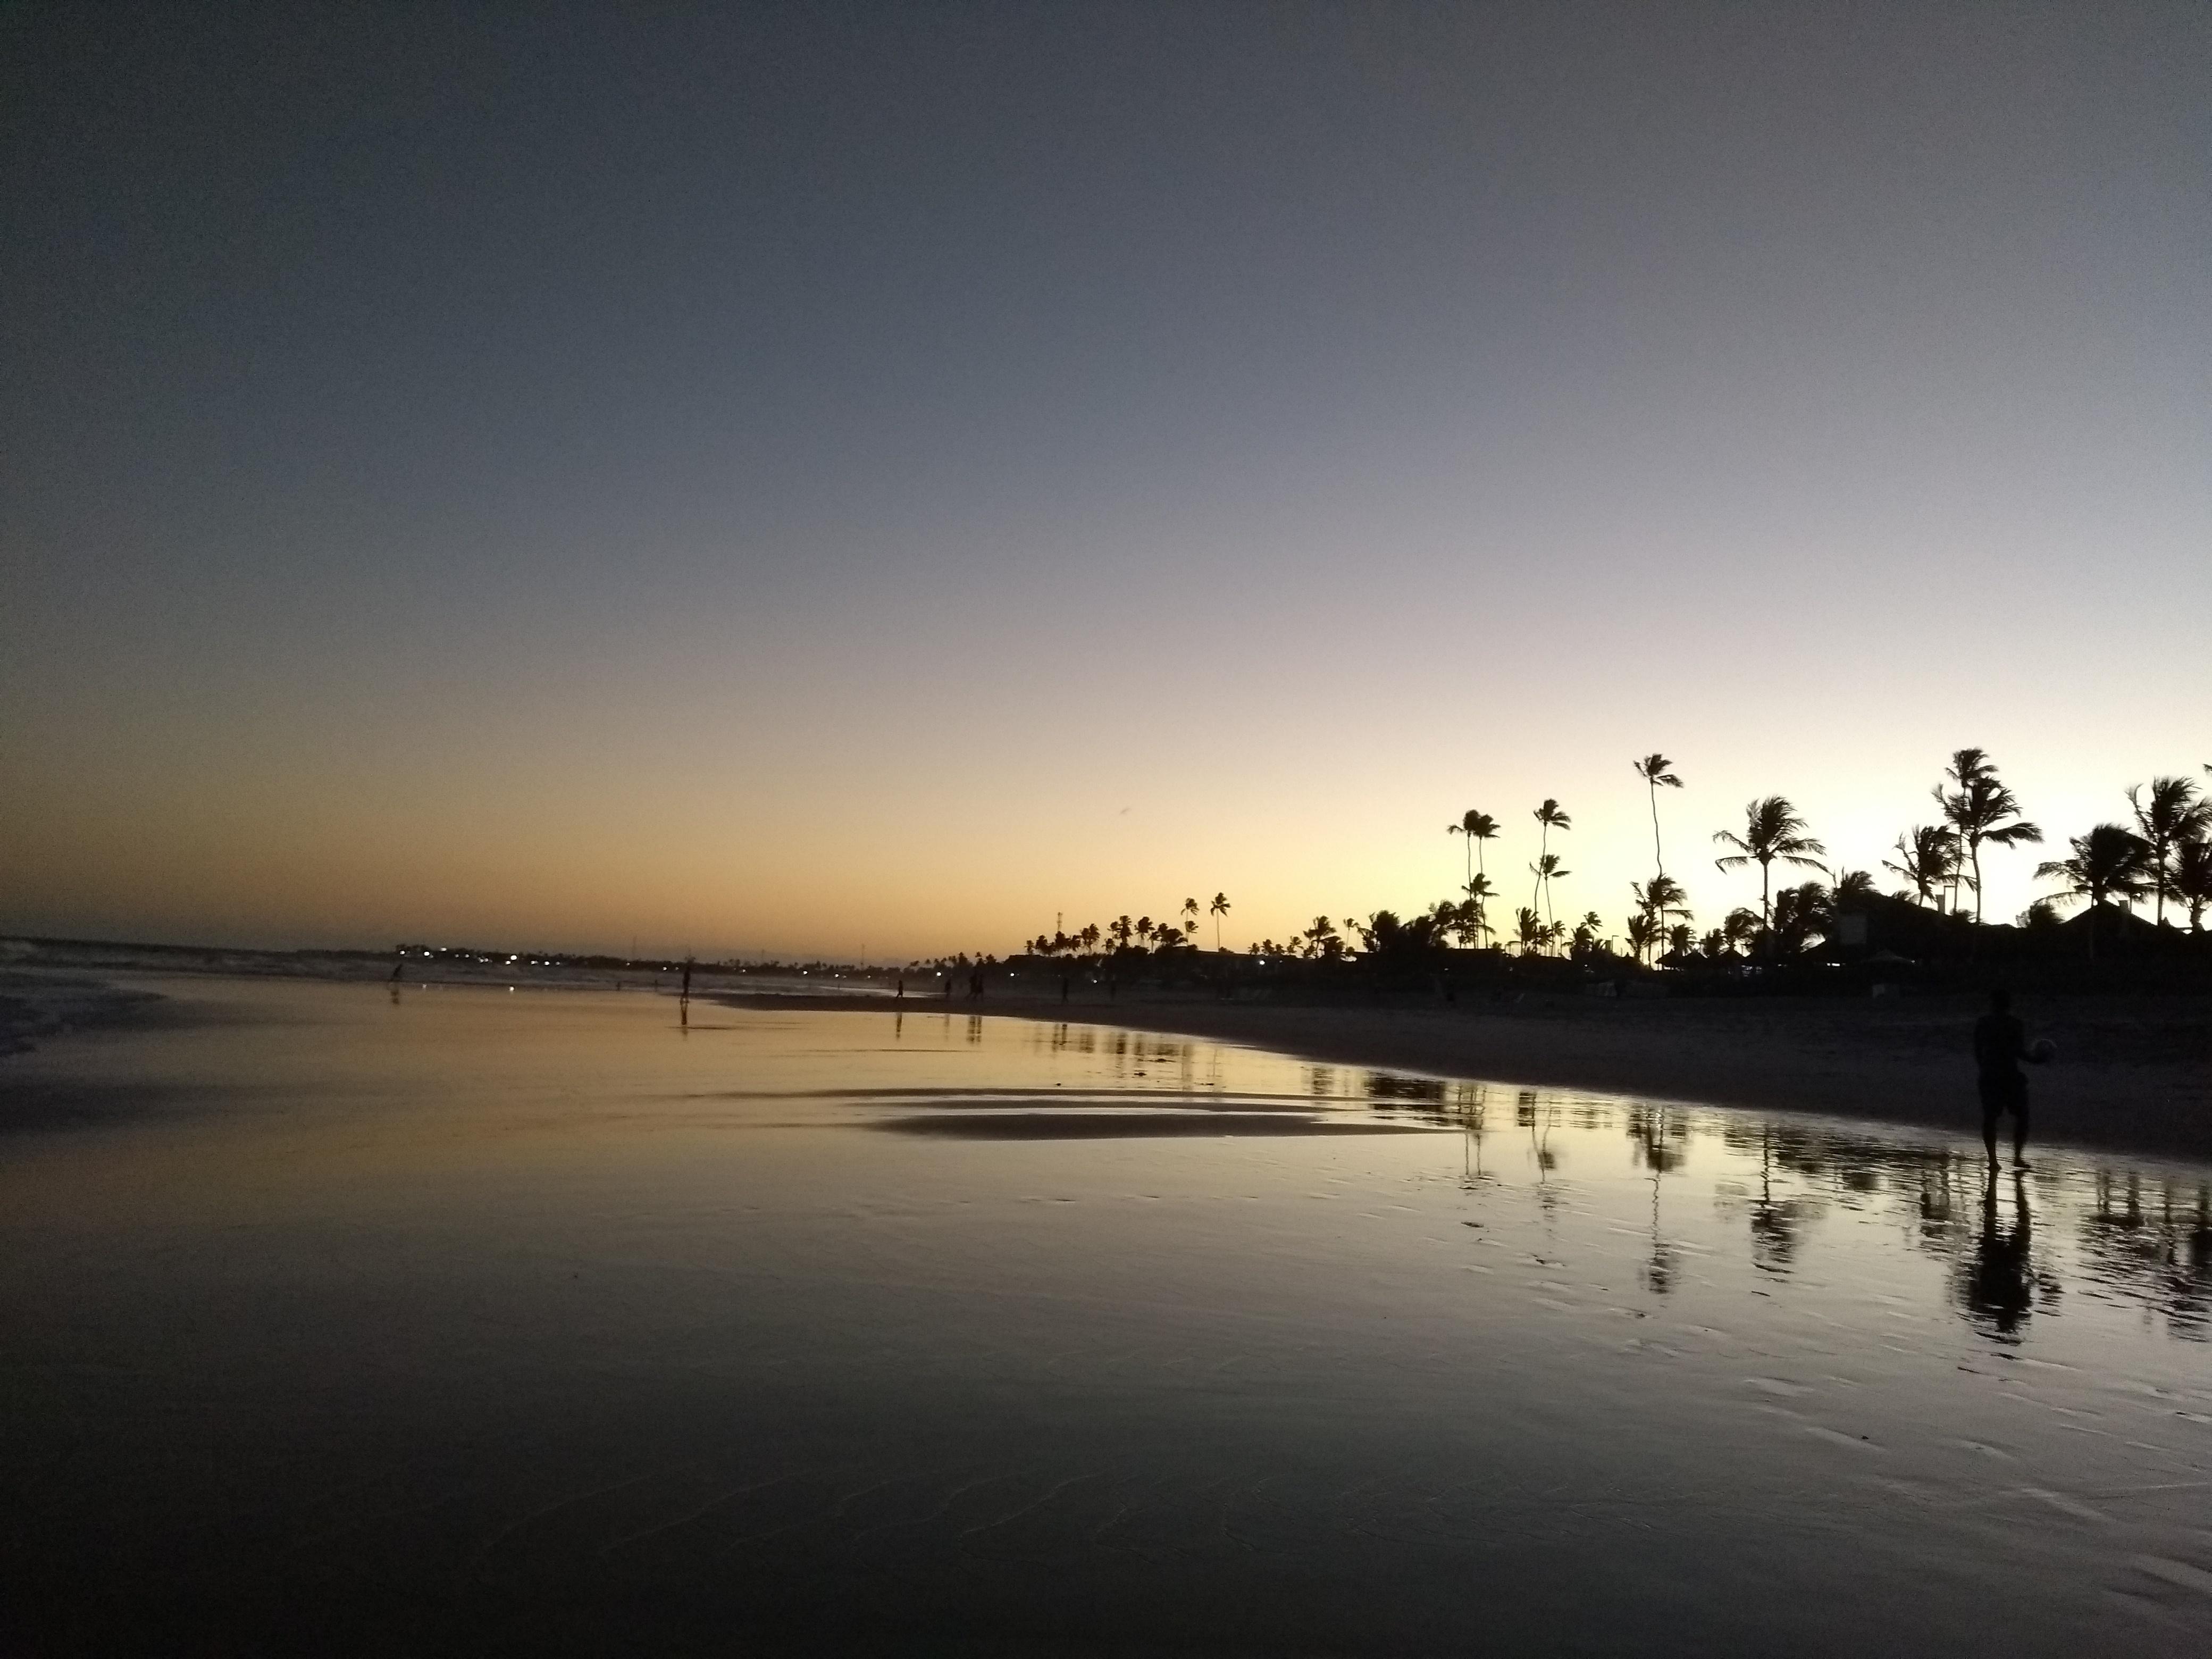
2166, 854
1122, 934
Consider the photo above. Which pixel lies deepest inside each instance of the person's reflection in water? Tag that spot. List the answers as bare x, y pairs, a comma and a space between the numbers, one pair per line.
1999, 1283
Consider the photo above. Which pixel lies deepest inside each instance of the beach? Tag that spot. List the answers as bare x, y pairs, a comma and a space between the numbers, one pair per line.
362, 1319
2132, 1072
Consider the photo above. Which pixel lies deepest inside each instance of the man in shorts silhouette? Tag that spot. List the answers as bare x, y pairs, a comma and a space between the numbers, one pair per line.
2000, 1045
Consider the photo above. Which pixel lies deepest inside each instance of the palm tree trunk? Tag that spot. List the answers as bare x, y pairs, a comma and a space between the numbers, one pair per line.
1658, 858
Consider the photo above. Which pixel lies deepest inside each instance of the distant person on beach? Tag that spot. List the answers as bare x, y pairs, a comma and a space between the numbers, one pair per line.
974, 983
2000, 1045
902, 987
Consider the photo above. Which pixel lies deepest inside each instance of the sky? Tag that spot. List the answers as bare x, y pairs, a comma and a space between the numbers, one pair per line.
888, 479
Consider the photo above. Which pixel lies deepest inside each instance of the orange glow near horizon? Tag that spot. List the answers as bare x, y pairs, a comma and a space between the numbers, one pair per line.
930, 475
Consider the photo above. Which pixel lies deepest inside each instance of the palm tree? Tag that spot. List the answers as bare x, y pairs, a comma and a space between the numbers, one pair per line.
1479, 893
1981, 810
1642, 932
1930, 855
2111, 861
1551, 817
1327, 942
2192, 879
1771, 830
2174, 817
1852, 890
1218, 910
1528, 930
1546, 867
1655, 900
1477, 828
1655, 770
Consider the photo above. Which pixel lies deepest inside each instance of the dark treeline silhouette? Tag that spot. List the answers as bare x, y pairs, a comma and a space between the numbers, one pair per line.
1836, 929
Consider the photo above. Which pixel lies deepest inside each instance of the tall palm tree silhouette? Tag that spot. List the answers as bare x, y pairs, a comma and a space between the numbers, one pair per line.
1979, 810
1655, 770
2111, 861
1189, 914
1478, 892
1771, 830
1551, 817
1546, 867
2173, 817
1655, 900
1218, 910
1929, 853
1477, 828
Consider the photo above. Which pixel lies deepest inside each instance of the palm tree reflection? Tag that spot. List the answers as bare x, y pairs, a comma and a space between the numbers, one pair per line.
1650, 1126
1470, 1103
1773, 1226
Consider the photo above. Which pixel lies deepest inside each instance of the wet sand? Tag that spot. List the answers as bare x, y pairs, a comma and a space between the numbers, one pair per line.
2131, 1072
470, 1321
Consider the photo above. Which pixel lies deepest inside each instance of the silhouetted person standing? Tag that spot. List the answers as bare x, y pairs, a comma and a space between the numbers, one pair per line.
2000, 1045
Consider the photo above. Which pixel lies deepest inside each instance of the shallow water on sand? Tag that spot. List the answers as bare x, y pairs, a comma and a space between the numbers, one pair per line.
339, 1320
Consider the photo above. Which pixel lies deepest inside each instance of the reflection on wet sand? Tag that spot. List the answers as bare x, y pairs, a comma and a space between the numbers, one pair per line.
476, 1320
2123, 1234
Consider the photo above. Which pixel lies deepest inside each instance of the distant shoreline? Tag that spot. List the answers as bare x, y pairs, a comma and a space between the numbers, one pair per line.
2133, 1074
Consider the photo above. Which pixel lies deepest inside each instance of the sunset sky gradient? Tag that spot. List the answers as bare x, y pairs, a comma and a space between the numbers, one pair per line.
819, 479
